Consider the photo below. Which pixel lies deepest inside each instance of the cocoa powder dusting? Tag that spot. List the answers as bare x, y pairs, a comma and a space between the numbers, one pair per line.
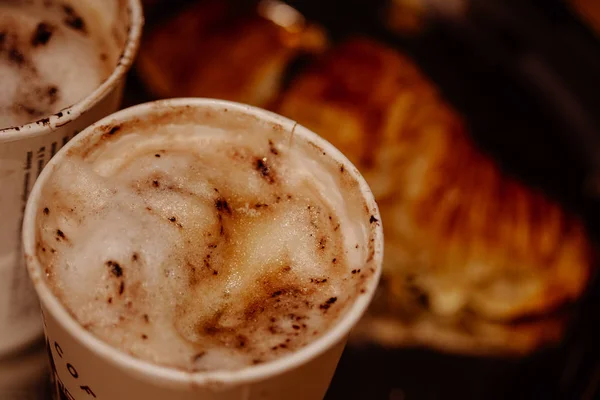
115, 268
73, 20
263, 168
42, 34
222, 206
328, 303
16, 56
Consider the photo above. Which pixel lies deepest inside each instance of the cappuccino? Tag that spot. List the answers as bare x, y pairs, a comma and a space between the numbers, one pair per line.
203, 239
54, 74
51, 56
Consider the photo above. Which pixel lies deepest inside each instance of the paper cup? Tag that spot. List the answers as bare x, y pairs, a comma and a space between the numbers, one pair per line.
24, 151
87, 367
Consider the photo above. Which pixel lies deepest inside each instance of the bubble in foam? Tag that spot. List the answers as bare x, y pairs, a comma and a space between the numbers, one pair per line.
182, 249
49, 60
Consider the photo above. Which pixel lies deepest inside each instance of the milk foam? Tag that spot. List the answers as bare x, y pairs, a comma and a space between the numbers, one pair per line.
202, 248
51, 56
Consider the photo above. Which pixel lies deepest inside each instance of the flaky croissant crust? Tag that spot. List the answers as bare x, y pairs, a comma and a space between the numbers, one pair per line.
462, 236
219, 49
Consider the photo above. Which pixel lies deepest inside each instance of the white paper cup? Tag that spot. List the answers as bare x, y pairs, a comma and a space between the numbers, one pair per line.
24, 151
86, 367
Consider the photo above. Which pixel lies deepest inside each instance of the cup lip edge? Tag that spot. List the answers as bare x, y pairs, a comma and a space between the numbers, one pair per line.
169, 376
71, 113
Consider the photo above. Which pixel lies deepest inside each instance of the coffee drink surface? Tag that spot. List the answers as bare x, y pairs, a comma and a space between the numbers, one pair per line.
51, 56
204, 240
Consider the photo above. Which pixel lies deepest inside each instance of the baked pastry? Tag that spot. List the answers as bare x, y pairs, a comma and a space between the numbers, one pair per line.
408, 17
475, 261
589, 11
226, 50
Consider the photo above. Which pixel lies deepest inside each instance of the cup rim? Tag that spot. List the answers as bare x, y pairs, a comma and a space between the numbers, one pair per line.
74, 111
172, 377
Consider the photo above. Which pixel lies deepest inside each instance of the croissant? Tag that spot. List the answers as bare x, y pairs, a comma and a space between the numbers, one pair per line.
219, 50
589, 11
475, 260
